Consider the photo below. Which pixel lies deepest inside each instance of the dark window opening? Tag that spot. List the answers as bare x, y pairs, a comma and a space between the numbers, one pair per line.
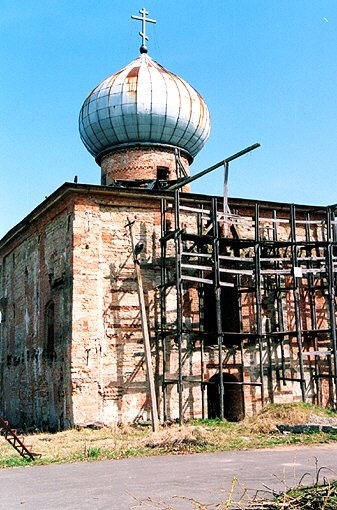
50, 331
3, 309
230, 315
162, 173
69, 221
232, 399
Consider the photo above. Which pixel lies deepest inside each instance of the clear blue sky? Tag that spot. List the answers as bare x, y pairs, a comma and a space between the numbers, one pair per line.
266, 68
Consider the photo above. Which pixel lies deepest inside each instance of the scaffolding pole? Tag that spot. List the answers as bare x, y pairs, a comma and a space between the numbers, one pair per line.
163, 324
146, 336
297, 297
179, 300
258, 299
279, 299
217, 293
331, 296
312, 301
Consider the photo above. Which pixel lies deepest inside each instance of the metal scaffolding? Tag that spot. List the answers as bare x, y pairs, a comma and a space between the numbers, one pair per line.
282, 264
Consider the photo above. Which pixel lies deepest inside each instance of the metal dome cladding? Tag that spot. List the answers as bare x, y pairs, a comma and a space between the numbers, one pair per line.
144, 104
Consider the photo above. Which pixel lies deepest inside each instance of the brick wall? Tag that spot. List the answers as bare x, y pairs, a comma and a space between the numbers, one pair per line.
139, 163
35, 374
77, 255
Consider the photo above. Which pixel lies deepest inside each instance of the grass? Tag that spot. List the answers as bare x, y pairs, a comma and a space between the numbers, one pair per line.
195, 436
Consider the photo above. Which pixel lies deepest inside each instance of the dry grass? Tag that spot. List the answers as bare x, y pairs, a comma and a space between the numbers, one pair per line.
195, 436
177, 438
77, 445
286, 414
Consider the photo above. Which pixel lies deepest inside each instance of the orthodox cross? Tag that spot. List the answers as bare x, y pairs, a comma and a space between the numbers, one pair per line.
144, 20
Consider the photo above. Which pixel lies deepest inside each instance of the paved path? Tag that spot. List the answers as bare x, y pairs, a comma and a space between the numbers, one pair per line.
153, 481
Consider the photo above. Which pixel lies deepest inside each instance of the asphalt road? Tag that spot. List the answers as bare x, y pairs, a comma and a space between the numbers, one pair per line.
161, 482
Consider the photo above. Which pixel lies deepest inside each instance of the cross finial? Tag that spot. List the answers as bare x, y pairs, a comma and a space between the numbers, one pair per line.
144, 20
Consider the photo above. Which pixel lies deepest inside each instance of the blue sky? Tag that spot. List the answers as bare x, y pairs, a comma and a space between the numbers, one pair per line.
267, 70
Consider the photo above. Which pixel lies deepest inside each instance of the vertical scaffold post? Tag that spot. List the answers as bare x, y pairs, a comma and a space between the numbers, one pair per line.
217, 291
163, 323
297, 297
331, 296
242, 364
179, 301
258, 298
225, 198
201, 302
312, 301
279, 299
146, 336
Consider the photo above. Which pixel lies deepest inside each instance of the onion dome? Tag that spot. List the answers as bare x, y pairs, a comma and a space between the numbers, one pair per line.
144, 104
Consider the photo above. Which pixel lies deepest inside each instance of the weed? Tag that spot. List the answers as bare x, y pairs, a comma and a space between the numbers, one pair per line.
14, 462
94, 453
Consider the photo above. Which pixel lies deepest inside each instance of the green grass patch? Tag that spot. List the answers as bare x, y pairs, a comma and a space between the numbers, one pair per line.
94, 453
14, 461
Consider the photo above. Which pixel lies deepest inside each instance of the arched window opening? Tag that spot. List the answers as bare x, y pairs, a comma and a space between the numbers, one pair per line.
232, 399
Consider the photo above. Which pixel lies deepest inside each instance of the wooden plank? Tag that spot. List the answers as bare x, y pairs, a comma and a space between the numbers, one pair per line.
313, 271
226, 284
310, 222
239, 259
237, 271
194, 266
196, 279
316, 353
204, 280
275, 259
273, 220
195, 254
313, 259
195, 209
276, 271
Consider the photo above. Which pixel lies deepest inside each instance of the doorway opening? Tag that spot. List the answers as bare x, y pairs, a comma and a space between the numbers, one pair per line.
233, 397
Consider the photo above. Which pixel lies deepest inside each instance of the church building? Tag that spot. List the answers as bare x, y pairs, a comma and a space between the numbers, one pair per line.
236, 296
